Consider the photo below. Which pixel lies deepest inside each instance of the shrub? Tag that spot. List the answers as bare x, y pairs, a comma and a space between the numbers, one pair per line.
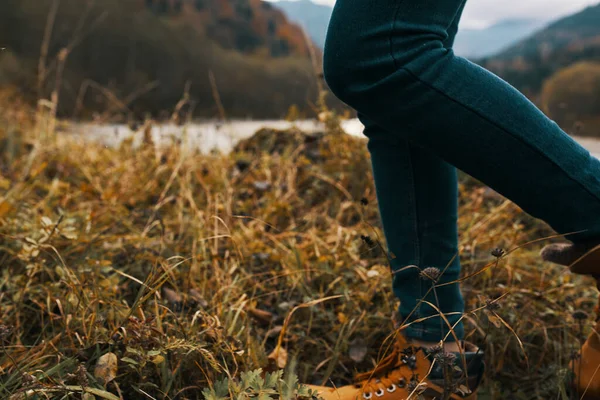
572, 98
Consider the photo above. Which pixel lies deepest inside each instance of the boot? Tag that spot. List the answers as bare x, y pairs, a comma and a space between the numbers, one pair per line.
581, 258
413, 372
586, 366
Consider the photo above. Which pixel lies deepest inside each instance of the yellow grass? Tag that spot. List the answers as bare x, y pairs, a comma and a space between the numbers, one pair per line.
190, 268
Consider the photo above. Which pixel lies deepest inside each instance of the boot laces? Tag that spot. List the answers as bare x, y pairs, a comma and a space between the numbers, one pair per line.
387, 374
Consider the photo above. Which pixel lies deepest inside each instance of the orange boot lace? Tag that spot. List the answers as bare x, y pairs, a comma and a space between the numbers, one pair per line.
395, 371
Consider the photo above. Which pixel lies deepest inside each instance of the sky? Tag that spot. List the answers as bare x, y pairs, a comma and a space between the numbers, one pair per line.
480, 13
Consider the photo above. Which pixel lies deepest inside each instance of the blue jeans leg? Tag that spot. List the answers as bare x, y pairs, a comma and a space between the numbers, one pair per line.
417, 193
388, 60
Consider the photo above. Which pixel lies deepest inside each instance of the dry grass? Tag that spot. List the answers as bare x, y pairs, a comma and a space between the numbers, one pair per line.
190, 268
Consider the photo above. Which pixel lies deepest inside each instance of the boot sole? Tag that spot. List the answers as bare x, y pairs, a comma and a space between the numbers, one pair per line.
587, 264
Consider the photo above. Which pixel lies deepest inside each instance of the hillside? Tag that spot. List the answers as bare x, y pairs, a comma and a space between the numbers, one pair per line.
477, 43
145, 52
313, 17
569, 40
244, 25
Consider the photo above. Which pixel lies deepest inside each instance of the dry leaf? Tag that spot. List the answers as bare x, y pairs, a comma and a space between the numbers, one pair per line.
279, 356
494, 319
106, 368
158, 359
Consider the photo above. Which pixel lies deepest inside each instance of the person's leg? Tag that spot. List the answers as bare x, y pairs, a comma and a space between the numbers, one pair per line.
386, 59
417, 194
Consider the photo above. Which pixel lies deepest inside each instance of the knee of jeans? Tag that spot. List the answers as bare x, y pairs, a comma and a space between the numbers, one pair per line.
355, 73
350, 75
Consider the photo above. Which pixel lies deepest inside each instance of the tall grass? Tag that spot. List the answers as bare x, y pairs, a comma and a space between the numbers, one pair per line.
187, 269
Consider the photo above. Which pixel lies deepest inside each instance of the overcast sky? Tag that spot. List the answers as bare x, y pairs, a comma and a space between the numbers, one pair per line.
479, 13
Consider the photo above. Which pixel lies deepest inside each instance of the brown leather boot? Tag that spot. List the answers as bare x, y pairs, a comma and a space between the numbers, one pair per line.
581, 258
412, 372
586, 367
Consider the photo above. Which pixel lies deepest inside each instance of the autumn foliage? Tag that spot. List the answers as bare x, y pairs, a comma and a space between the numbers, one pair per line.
139, 56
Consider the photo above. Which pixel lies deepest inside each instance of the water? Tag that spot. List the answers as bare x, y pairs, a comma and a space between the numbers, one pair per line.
206, 136
222, 137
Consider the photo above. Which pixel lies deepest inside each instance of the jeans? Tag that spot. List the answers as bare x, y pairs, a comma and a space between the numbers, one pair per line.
427, 112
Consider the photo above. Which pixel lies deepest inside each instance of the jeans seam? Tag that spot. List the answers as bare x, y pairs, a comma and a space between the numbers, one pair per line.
415, 222
413, 207
497, 125
391, 37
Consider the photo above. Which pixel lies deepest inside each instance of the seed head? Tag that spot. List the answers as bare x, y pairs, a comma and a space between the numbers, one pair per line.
28, 379
431, 274
117, 336
445, 358
415, 387
81, 375
434, 350
492, 304
367, 239
580, 315
498, 252
410, 360
242, 165
4, 331
412, 385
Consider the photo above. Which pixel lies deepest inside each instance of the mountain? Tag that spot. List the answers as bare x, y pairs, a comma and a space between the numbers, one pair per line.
477, 43
313, 17
472, 43
528, 63
139, 56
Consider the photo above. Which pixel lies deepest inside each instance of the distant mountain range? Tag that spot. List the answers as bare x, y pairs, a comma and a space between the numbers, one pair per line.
477, 43
525, 52
472, 43
311, 16
528, 63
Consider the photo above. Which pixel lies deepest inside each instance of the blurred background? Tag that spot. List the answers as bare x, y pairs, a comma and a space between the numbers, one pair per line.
126, 60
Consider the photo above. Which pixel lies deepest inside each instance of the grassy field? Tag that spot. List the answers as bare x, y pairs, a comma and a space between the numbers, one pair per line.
158, 273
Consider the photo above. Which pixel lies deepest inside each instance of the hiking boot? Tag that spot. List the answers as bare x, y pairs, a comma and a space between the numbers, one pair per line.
413, 372
586, 366
581, 258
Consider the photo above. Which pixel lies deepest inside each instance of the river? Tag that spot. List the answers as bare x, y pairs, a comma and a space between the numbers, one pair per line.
209, 136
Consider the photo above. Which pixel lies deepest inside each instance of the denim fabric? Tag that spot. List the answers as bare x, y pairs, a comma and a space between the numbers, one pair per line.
428, 112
